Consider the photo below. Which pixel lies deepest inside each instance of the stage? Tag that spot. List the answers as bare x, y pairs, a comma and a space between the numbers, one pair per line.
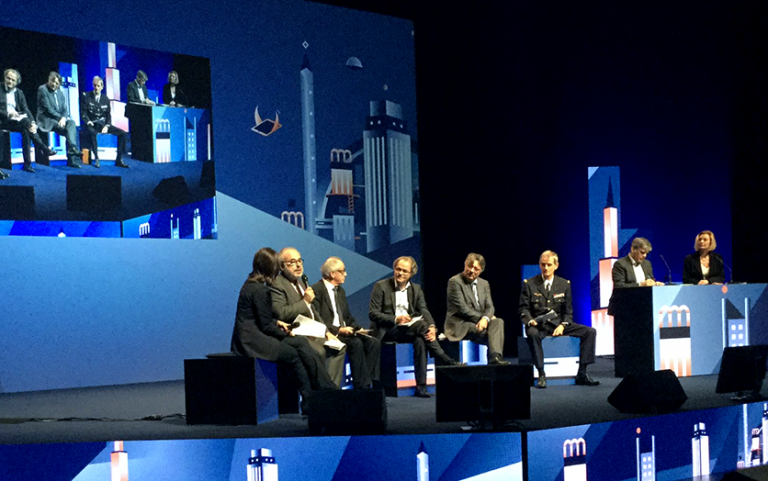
119, 412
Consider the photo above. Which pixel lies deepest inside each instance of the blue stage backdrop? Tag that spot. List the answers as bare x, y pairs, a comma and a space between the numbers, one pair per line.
315, 146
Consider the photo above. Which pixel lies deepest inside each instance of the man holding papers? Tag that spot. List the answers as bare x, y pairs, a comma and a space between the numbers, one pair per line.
546, 310
399, 313
331, 302
292, 297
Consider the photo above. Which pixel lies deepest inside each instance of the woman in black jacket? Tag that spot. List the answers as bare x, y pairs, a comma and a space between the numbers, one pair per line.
704, 266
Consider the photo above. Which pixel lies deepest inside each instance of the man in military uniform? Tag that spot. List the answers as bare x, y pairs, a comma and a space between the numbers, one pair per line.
546, 310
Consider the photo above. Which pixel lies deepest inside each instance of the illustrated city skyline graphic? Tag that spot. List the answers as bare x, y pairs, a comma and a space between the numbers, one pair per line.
370, 200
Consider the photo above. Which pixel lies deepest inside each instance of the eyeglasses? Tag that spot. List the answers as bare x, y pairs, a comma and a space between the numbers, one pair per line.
403, 271
342, 271
294, 262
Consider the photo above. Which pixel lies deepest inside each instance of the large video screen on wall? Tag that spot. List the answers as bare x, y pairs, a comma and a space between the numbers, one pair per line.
149, 171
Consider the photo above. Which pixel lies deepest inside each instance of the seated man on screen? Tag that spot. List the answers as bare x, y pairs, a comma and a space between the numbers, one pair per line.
331, 301
97, 118
15, 116
292, 296
470, 312
546, 310
53, 116
137, 90
395, 308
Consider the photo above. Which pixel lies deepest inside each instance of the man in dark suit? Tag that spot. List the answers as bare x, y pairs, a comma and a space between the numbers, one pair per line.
331, 301
470, 312
634, 270
137, 90
16, 117
292, 296
544, 293
395, 303
97, 117
53, 116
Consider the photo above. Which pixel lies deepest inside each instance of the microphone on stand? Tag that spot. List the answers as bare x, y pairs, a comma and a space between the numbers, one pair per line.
669, 271
730, 271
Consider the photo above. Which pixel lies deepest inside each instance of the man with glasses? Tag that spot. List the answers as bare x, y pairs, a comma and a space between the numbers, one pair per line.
292, 296
399, 314
331, 302
16, 117
470, 312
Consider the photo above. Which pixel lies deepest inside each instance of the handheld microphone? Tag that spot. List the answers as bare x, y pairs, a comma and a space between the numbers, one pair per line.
305, 280
669, 271
294, 325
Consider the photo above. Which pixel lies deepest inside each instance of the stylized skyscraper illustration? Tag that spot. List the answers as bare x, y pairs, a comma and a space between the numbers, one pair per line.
764, 435
119, 460
262, 466
700, 450
422, 464
646, 461
600, 318
388, 179
735, 327
340, 199
308, 133
675, 339
575, 460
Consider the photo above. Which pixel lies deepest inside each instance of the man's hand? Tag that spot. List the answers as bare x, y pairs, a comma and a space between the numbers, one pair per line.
648, 282
431, 334
104, 130
309, 295
482, 324
330, 337
532, 323
558, 331
285, 327
346, 331
62, 122
402, 320
32, 128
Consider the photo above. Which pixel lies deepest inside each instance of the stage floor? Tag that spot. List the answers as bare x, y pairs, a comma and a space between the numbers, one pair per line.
118, 412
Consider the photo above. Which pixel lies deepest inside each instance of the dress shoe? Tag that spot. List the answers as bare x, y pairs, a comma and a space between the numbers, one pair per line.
453, 362
121, 164
3, 175
95, 163
542, 383
497, 360
585, 380
73, 164
49, 151
422, 392
28, 168
75, 152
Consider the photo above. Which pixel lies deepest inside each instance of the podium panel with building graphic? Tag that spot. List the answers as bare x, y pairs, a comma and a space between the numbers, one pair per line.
685, 328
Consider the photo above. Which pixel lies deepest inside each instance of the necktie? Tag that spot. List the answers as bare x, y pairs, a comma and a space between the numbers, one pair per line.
474, 290
338, 306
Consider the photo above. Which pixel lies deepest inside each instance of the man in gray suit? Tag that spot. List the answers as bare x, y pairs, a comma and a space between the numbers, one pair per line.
292, 296
53, 116
470, 310
634, 270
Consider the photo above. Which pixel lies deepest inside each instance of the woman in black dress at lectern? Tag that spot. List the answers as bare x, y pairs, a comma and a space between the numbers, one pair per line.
257, 334
704, 266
